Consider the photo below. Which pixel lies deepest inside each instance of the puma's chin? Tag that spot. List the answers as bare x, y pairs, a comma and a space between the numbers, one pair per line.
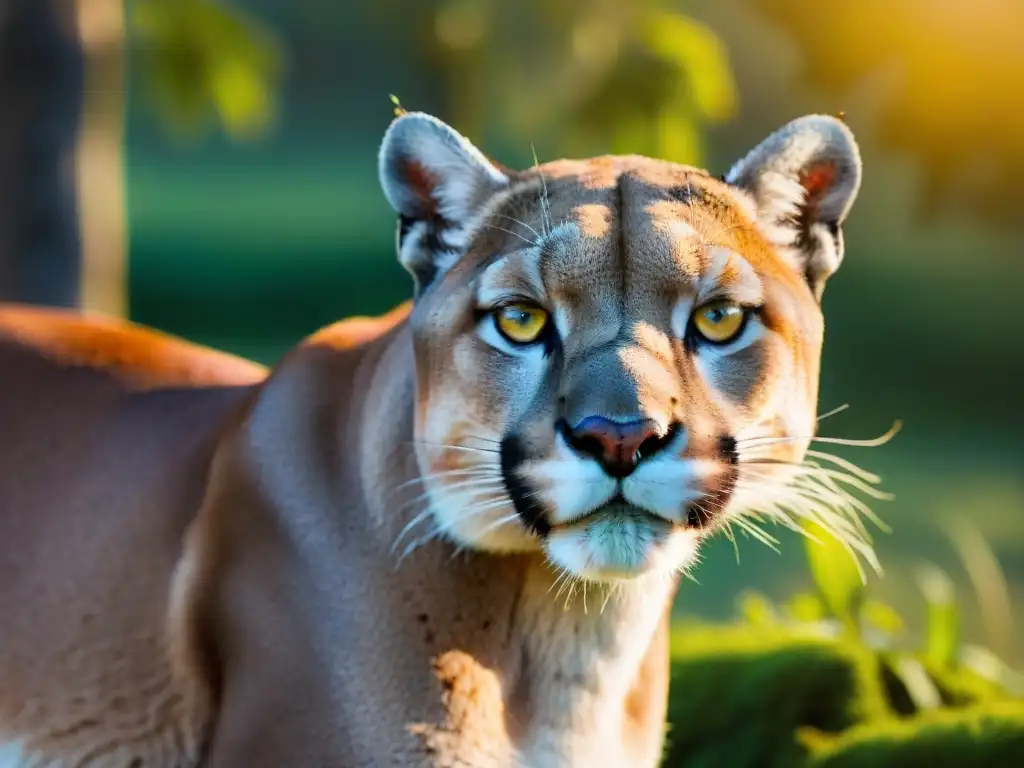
619, 542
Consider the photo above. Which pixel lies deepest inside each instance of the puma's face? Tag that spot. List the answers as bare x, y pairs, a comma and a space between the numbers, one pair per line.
601, 344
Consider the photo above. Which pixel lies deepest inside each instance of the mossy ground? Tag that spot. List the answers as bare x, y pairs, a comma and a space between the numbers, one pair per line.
745, 697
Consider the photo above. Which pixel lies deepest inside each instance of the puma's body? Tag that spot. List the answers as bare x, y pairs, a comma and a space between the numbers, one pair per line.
108, 458
108, 433
379, 553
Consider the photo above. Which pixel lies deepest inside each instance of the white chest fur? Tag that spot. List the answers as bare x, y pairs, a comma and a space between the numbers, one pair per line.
581, 662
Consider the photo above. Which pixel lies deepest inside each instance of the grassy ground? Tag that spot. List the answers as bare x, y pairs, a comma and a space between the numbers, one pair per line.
788, 698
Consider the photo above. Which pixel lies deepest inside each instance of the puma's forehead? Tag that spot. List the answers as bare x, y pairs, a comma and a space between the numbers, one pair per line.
621, 225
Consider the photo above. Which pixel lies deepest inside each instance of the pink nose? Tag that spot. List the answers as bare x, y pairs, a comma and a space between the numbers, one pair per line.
617, 446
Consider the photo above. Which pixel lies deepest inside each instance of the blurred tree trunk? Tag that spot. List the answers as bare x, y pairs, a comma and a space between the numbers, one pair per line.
101, 182
41, 80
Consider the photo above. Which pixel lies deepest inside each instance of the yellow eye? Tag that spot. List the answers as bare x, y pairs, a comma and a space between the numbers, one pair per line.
720, 321
521, 323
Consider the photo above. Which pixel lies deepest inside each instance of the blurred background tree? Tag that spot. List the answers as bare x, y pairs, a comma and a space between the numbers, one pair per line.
546, 71
41, 74
62, 195
945, 78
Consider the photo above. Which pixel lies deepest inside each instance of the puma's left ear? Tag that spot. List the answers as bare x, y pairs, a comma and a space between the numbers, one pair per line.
804, 178
436, 180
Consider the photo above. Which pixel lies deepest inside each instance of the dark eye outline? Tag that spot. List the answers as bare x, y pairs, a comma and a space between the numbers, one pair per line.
542, 335
694, 336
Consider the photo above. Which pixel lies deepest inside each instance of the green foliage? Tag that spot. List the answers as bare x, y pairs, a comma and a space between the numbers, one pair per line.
399, 109
739, 697
599, 75
943, 633
820, 682
944, 74
989, 736
201, 59
836, 574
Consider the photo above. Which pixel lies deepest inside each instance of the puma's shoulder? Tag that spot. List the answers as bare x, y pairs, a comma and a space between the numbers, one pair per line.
139, 357
357, 330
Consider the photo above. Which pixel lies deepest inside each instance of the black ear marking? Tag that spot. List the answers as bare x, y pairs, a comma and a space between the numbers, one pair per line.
435, 180
404, 225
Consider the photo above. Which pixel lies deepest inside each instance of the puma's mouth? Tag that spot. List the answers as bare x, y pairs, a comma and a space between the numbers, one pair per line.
615, 510
620, 541
617, 538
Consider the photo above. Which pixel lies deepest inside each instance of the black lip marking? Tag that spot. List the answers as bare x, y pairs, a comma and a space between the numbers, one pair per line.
700, 514
523, 498
727, 449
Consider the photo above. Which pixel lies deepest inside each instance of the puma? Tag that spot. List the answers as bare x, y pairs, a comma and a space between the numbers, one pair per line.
446, 536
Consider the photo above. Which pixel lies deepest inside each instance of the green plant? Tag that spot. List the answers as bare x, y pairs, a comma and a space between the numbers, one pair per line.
827, 680
203, 58
980, 736
584, 76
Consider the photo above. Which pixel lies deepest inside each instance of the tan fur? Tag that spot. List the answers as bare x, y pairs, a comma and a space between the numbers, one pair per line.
199, 558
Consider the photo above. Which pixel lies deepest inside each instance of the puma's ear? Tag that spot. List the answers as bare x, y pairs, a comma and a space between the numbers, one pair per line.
435, 180
804, 178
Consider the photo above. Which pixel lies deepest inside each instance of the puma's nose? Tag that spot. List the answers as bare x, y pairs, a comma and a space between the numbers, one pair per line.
616, 445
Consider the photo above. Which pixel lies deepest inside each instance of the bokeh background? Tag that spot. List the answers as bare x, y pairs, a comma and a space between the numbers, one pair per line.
210, 170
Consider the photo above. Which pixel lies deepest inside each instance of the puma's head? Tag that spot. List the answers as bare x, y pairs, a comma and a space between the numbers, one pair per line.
603, 346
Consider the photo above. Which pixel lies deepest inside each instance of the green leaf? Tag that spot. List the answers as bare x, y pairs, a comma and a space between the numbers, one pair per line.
836, 575
638, 77
201, 60
399, 109
882, 617
756, 609
804, 608
942, 638
699, 55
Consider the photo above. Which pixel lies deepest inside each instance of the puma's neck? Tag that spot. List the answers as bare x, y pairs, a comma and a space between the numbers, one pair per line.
562, 672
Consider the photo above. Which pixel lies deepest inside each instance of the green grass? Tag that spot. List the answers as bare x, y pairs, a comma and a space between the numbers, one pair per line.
749, 696
739, 696
828, 679
990, 736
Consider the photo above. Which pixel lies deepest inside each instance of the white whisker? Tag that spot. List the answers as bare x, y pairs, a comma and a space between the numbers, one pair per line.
869, 443
526, 240
536, 234
545, 208
833, 412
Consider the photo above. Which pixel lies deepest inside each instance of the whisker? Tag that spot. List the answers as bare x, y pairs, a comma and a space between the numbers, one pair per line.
835, 513
511, 518
846, 464
833, 412
520, 223
459, 472
545, 209
467, 448
689, 207
838, 496
869, 443
858, 481
727, 532
526, 240
480, 483
470, 510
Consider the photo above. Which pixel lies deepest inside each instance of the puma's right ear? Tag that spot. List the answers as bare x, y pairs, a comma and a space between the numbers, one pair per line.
435, 179
804, 178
